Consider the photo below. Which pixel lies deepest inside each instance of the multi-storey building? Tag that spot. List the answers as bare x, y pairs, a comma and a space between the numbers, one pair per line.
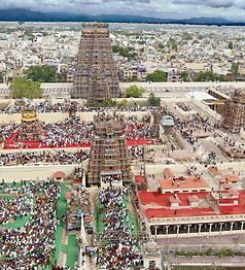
96, 74
174, 75
109, 163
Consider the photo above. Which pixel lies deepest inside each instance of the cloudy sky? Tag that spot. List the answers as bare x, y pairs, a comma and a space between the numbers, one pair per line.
229, 9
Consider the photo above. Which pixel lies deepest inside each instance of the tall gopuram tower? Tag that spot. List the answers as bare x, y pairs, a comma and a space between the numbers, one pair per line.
109, 162
234, 115
96, 74
30, 128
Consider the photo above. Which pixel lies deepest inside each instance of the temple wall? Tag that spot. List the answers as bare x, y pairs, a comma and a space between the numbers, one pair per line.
17, 173
204, 110
51, 150
46, 117
155, 169
53, 117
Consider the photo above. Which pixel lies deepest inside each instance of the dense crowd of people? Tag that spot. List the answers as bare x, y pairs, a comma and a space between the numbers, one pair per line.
137, 152
188, 127
136, 129
140, 131
6, 130
19, 206
233, 148
185, 107
60, 134
120, 249
30, 246
62, 268
44, 156
196, 124
41, 107
69, 132
66, 106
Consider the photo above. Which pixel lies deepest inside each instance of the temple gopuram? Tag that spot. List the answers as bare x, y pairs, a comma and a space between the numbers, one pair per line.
100, 85
96, 74
109, 158
234, 116
30, 128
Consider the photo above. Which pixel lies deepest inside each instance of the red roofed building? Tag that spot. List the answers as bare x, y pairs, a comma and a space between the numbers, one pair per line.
59, 175
184, 184
195, 213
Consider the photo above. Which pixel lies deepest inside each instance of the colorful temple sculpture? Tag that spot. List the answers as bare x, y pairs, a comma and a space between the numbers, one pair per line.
79, 211
96, 74
234, 116
109, 163
30, 128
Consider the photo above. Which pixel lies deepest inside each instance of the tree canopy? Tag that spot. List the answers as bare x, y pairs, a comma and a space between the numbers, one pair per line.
157, 76
134, 91
235, 68
1, 78
98, 104
172, 44
208, 76
125, 52
185, 76
154, 101
24, 88
230, 45
43, 74
123, 103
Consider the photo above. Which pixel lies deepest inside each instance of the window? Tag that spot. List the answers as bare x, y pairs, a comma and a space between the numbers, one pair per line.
152, 264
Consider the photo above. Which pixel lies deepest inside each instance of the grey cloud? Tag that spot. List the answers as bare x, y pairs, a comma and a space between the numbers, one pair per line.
95, 2
25, 3
212, 3
98, 2
234, 9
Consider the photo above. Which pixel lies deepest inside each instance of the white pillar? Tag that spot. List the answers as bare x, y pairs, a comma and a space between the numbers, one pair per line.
83, 177
83, 234
199, 228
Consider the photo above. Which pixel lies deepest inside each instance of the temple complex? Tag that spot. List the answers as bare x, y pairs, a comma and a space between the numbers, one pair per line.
109, 154
30, 128
234, 116
142, 185
96, 74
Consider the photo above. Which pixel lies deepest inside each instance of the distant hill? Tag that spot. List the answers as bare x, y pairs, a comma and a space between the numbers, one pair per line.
204, 20
28, 15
